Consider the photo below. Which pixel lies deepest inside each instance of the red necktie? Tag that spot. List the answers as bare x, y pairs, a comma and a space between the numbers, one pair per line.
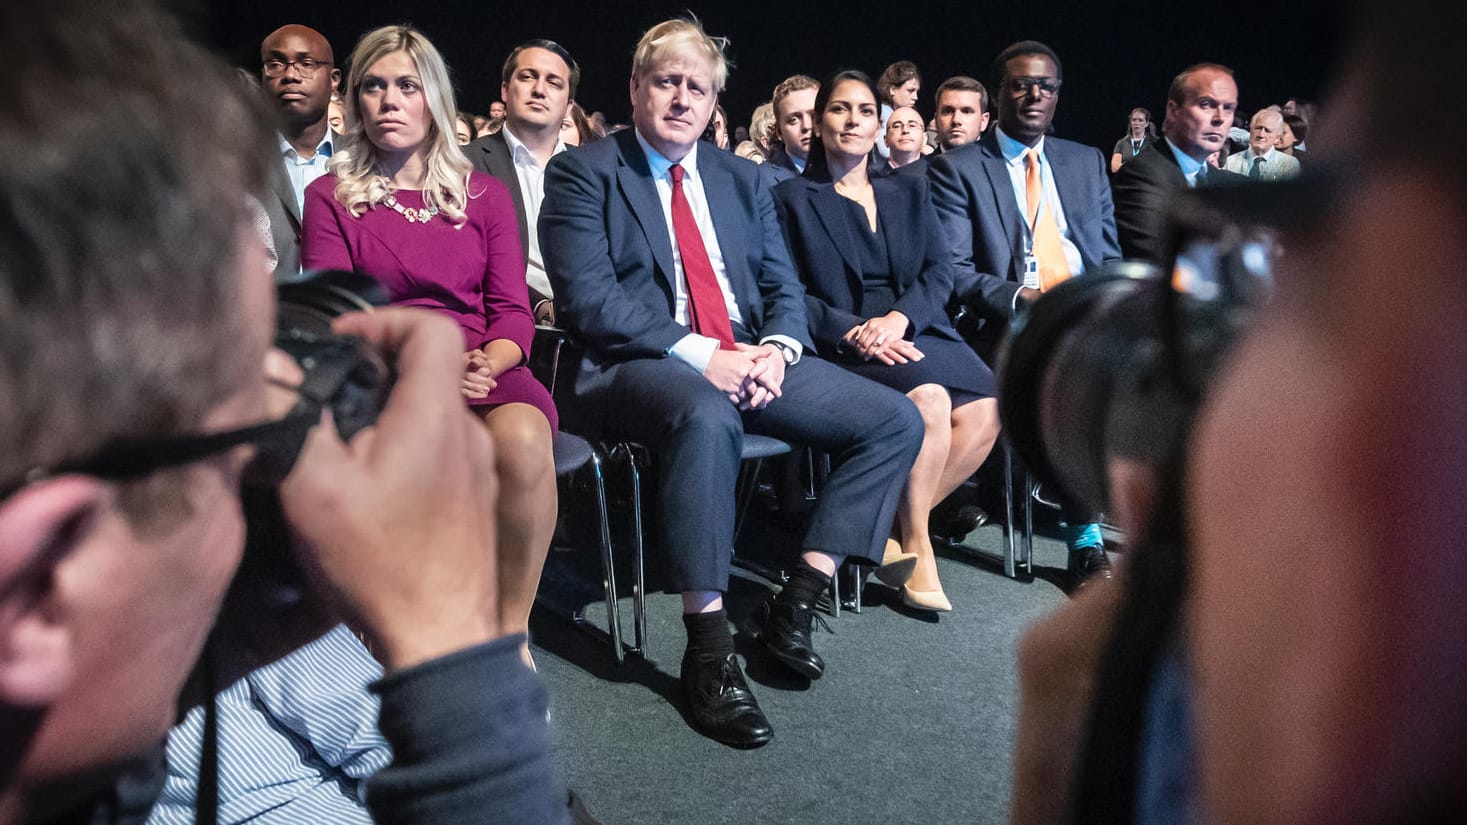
706, 308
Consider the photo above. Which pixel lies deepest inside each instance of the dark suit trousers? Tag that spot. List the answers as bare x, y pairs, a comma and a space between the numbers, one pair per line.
872, 432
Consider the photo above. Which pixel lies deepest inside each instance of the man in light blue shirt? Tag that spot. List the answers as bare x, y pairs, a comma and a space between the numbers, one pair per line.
1004, 247
1199, 112
298, 71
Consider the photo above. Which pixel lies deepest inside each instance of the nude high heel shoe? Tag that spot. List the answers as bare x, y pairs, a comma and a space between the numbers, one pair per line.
934, 600
896, 566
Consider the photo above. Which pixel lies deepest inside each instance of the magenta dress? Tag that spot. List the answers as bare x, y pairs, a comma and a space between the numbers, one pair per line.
474, 274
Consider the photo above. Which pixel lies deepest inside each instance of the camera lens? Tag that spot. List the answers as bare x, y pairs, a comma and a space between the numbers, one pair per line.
1077, 350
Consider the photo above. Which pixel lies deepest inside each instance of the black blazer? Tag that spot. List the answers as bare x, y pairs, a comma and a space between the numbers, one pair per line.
1143, 190
817, 224
491, 154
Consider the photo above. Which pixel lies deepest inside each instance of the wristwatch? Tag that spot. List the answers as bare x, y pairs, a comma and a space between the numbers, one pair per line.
785, 349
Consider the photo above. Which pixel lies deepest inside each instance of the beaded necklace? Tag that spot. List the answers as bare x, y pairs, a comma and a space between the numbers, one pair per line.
422, 215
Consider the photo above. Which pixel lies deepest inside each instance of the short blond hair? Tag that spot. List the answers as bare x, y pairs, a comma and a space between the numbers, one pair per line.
679, 38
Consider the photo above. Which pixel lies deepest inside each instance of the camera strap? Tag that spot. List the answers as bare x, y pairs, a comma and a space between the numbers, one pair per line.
206, 798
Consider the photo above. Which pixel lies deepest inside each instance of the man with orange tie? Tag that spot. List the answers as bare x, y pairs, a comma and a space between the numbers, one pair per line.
1025, 211
668, 263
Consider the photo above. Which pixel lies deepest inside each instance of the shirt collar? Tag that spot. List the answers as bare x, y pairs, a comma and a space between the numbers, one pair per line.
324, 149
659, 164
520, 151
1014, 151
1267, 156
1190, 166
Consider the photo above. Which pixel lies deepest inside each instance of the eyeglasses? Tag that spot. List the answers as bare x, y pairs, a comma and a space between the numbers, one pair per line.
129, 459
306, 67
1047, 86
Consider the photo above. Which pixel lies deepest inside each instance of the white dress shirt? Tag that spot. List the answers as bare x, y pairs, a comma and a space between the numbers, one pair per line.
532, 190
1013, 153
303, 171
694, 349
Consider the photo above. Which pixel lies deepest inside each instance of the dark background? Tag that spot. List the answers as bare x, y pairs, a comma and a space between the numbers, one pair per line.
1116, 55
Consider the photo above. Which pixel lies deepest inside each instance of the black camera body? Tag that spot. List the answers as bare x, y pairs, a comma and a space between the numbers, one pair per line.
341, 374
1115, 363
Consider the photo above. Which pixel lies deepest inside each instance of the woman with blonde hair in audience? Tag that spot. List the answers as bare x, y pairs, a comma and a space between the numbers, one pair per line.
761, 132
877, 276
403, 206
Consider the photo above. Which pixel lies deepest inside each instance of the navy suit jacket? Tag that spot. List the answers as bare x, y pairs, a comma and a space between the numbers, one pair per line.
818, 224
608, 251
974, 196
781, 165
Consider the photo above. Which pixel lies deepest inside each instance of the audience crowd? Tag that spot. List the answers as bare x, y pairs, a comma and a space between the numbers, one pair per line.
846, 291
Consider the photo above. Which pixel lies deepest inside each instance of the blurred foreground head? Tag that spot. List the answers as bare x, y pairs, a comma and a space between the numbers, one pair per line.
135, 301
1329, 479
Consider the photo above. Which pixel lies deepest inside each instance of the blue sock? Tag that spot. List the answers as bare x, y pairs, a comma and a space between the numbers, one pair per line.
1083, 535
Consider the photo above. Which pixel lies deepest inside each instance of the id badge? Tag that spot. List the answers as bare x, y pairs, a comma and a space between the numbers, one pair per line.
1031, 271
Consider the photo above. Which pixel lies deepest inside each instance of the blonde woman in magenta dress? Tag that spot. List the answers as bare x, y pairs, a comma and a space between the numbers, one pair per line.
403, 206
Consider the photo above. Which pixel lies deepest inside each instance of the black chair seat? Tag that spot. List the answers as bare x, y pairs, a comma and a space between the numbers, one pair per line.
762, 446
571, 453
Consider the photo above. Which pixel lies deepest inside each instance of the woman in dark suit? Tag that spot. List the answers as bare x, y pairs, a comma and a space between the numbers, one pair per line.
877, 277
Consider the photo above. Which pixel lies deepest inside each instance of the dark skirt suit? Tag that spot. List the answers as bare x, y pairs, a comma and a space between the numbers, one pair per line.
852, 274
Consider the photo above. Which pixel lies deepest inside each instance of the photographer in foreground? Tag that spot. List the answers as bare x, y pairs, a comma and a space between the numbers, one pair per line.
136, 315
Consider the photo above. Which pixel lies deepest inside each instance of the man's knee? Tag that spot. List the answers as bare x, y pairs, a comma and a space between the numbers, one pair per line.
709, 414
904, 422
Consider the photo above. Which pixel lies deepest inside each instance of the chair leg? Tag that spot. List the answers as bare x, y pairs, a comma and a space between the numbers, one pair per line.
626, 453
835, 594
749, 484
608, 566
639, 564
1026, 558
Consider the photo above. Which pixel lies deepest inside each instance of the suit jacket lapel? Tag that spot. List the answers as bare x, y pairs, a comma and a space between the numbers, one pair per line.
635, 179
280, 186
500, 162
1164, 148
723, 208
1067, 179
903, 252
834, 217
1002, 185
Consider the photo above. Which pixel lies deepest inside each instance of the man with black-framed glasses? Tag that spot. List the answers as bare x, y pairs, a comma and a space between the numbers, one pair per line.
1025, 211
298, 71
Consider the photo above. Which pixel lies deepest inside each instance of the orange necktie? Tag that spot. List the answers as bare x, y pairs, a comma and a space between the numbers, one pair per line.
1053, 268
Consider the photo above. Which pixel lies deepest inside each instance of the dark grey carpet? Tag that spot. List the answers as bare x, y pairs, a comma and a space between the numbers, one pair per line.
912, 723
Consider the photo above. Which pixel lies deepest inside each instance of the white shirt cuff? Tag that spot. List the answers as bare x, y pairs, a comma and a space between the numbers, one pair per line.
694, 350
794, 346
